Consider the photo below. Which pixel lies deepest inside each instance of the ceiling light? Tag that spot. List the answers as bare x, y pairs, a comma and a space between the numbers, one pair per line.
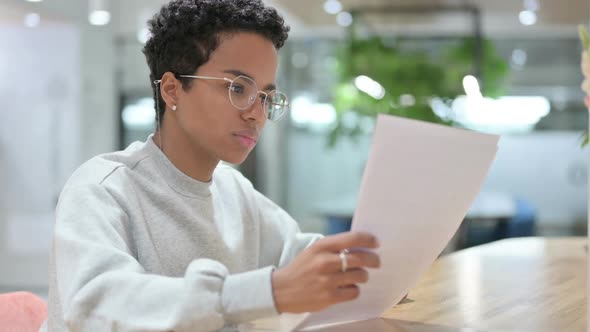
344, 19
369, 86
527, 17
332, 7
98, 13
99, 17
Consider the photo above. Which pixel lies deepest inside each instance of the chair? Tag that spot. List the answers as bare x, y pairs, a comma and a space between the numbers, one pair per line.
21, 312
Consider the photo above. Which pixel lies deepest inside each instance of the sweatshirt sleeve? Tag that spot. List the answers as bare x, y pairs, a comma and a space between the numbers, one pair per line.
102, 287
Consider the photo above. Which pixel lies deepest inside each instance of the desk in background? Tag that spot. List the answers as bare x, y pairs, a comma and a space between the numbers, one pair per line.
492, 216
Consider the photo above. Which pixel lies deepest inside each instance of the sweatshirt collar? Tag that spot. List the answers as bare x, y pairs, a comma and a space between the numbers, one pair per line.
176, 179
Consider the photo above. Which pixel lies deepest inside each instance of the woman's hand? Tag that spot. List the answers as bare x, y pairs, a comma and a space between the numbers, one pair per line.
315, 279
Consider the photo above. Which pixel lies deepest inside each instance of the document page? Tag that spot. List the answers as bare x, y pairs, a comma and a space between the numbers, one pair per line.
418, 184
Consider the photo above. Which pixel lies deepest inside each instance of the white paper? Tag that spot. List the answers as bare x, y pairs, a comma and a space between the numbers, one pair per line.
418, 185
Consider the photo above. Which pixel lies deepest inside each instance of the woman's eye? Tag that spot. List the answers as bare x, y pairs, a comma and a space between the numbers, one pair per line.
236, 88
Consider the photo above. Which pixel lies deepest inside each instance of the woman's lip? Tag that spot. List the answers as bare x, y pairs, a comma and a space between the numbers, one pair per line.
246, 140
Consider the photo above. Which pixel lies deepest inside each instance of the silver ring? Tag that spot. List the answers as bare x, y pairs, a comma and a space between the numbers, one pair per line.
344, 260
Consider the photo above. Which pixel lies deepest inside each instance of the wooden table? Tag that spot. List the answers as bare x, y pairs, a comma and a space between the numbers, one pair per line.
526, 284
519, 285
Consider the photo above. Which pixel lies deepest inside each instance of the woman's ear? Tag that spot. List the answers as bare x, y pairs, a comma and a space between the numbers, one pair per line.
169, 88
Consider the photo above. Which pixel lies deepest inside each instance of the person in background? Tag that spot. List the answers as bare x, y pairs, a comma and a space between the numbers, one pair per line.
162, 236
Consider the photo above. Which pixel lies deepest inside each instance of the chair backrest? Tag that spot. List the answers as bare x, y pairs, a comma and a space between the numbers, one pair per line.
21, 311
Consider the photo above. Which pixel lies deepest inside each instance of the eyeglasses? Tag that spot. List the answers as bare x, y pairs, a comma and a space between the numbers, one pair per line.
243, 93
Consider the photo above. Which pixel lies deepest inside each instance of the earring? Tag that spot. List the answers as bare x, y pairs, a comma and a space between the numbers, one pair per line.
174, 108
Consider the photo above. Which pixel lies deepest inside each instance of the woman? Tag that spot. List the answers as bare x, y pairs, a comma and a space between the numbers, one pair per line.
161, 236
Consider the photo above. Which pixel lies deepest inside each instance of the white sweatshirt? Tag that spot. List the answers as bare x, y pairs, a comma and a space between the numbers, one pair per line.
140, 246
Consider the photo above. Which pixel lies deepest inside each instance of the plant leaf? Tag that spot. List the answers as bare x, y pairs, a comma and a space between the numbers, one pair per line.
584, 37
585, 139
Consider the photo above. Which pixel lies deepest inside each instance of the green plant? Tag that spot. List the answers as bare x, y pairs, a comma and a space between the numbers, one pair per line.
585, 139
417, 75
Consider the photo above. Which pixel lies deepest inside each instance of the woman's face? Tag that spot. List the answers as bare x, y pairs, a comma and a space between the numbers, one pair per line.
204, 112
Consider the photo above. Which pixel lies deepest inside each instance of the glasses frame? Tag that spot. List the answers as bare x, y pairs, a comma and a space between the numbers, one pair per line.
251, 101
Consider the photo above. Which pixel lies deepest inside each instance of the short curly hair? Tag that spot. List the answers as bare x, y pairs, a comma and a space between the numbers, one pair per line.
184, 33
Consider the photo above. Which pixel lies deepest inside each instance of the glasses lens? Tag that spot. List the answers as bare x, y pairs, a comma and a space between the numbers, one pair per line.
277, 105
242, 92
